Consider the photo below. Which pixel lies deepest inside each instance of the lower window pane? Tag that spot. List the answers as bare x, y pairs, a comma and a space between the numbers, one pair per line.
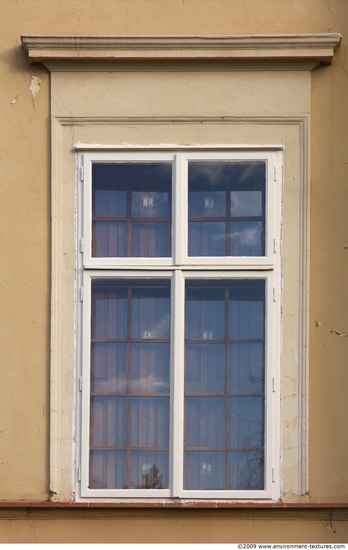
129, 384
108, 367
246, 368
149, 368
224, 384
109, 239
247, 238
149, 470
204, 422
150, 239
107, 470
246, 422
204, 470
149, 421
246, 470
108, 422
205, 368
207, 239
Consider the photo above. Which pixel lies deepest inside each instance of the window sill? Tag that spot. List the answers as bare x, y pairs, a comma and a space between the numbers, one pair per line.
175, 503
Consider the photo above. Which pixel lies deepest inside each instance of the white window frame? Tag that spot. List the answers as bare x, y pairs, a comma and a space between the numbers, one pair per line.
179, 268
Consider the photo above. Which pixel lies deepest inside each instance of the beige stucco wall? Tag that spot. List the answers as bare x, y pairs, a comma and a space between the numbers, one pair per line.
25, 266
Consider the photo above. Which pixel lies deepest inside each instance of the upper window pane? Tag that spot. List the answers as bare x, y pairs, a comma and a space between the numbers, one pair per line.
226, 212
131, 209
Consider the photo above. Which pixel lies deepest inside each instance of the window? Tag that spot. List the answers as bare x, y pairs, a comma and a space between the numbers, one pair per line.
179, 322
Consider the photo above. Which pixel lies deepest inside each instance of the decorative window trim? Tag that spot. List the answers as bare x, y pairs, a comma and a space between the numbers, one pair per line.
72, 126
311, 49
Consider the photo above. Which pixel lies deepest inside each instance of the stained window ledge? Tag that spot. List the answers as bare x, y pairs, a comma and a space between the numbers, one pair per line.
174, 503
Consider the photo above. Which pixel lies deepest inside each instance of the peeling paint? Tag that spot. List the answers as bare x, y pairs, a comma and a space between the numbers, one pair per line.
332, 330
14, 100
35, 85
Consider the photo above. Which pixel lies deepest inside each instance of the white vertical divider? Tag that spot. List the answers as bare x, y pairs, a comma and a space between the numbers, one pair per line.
177, 378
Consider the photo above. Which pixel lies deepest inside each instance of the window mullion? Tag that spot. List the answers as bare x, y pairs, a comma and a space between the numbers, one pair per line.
177, 380
179, 216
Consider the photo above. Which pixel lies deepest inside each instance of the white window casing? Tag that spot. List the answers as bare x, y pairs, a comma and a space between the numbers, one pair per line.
179, 269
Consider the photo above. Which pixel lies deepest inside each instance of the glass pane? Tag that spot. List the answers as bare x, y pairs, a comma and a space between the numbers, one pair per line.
246, 422
246, 203
108, 422
247, 238
226, 208
149, 421
149, 469
129, 430
150, 239
206, 203
109, 198
246, 470
208, 177
109, 311
205, 368
247, 310
246, 368
109, 239
204, 470
108, 368
149, 368
123, 193
204, 313
207, 239
204, 422
107, 470
150, 313
150, 204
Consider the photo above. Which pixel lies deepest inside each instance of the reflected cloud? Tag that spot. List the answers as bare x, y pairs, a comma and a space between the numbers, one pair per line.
213, 173
250, 236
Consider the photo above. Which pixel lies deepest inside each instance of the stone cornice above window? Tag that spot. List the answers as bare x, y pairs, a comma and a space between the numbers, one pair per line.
307, 49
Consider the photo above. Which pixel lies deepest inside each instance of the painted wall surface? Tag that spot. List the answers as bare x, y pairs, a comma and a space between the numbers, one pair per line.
25, 270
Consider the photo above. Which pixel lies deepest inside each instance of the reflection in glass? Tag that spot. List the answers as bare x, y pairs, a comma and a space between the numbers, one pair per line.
131, 209
149, 419
150, 313
224, 384
108, 421
246, 203
205, 368
149, 368
108, 367
204, 421
107, 469
246, 422
150, 239
129, 402
204, 313
149, 470
204, 470
207, 238
109, 311
246, 470
246, 368
246, 238
226, 208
